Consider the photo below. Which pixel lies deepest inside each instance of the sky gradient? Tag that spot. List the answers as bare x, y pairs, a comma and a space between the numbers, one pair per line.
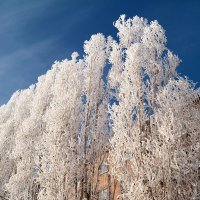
35, 33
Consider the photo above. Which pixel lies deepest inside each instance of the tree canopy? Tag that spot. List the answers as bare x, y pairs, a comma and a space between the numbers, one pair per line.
53, 134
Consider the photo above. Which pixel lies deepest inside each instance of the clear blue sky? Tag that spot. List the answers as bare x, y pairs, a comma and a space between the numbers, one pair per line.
35, 33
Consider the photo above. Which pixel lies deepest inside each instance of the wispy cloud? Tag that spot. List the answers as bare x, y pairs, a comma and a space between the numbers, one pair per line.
22, 54
18, 54
17, 69
15, 12
32, 35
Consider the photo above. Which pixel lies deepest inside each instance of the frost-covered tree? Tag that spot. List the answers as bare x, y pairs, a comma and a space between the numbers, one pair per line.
94, 134
7, 129
176, 147
155, 147
19, 180
59, 154
22, 184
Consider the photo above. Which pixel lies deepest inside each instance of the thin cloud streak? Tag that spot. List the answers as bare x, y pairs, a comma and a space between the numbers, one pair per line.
30, 41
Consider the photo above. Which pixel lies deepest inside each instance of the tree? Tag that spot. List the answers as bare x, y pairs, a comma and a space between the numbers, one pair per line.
150, 119
59, 155
7, 129
22, 184
94, 130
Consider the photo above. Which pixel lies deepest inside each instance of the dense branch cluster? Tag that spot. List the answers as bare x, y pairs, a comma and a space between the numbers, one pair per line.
53, 134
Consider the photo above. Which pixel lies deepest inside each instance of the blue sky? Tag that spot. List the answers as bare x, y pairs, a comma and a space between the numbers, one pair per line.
35, 33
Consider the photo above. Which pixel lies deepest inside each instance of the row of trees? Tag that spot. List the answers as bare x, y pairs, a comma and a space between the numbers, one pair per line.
54, 133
